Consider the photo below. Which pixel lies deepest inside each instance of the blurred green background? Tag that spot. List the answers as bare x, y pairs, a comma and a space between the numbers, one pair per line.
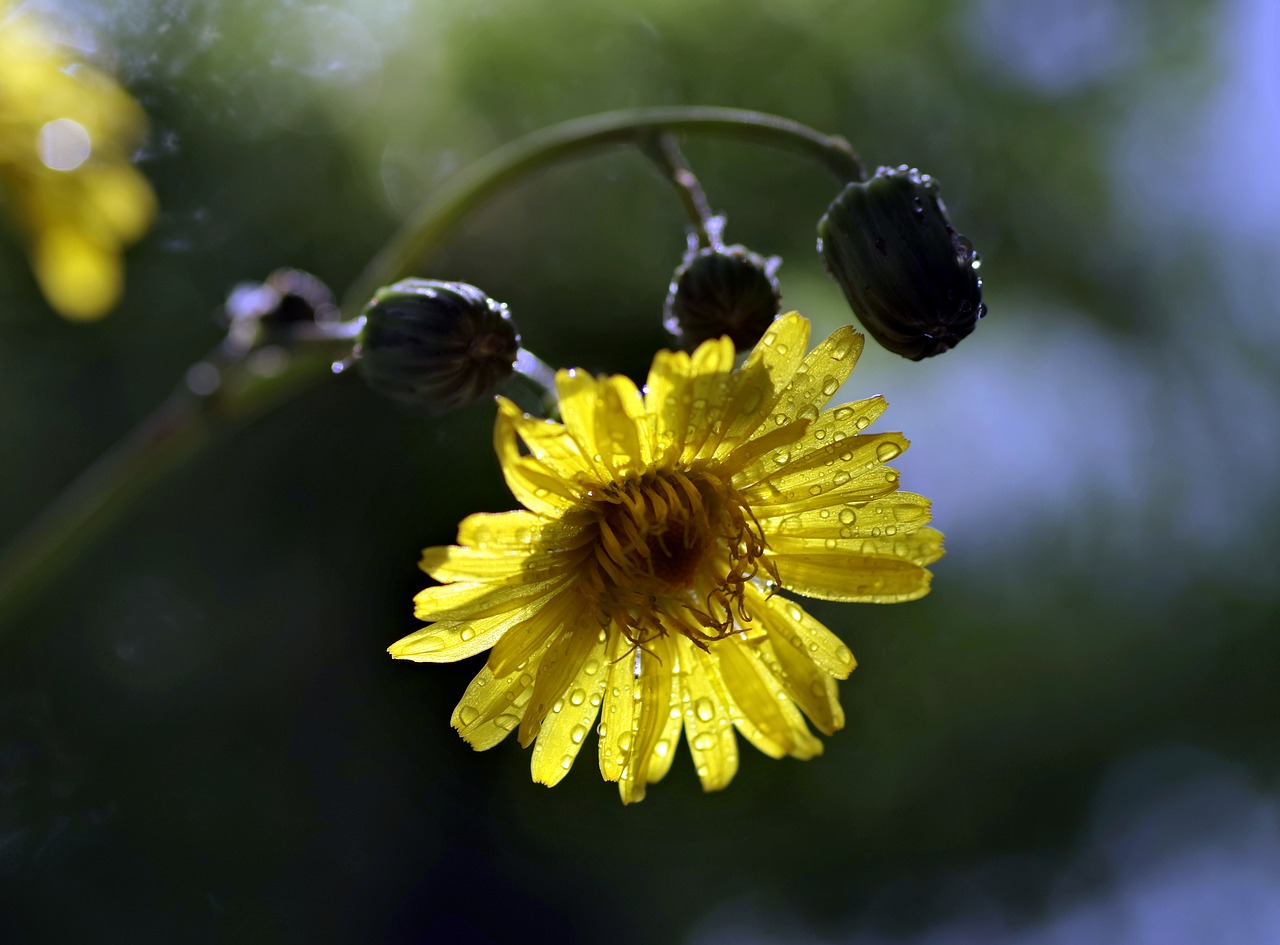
1072, 739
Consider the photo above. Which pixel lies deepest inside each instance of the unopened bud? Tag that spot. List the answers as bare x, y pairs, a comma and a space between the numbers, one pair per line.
436, 346
910, 278
723, 291
286, 297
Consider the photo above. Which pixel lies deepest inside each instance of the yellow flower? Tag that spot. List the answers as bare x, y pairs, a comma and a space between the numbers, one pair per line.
66, 130
639, 583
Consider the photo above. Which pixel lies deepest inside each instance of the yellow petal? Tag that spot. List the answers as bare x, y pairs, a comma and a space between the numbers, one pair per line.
119, 200
760, 382
813, 690
803, 472
784, 618
492, 707
80, 277
534, 486
563, 612
848, 526
708, 723
756, 460
549, 443
448, 563
667, 402
650, 719
618, 715
710, 387
576, 390
818, 378
764, 716
865, 578
668, 741
563, 732
519, 532
621, 428
561, 664
476, 599
449, 640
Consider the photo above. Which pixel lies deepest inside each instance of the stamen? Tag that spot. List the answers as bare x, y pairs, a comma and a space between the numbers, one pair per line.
674, 552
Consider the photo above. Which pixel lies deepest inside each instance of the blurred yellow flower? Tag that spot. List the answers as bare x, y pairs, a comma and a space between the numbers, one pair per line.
638, 583
66, 131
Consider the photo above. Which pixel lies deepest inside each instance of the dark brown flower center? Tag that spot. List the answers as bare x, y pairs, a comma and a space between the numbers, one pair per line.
674, 552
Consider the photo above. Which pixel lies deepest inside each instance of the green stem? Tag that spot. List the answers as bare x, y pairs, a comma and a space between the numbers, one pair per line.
484, 178
189, 420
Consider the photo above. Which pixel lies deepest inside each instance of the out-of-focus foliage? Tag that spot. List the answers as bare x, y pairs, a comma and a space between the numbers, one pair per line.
201, 737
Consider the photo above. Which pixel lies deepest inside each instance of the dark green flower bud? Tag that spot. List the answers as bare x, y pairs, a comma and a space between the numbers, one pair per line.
910, 278
723, 291
436, 345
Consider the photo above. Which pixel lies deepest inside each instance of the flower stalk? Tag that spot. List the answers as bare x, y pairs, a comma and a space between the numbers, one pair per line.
235, 383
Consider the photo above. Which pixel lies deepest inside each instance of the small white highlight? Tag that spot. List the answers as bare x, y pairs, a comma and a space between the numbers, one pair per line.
203, 379
64, 144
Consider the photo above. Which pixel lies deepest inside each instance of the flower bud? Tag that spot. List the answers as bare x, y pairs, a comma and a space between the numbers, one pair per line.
436, 346
723, 291
910, 278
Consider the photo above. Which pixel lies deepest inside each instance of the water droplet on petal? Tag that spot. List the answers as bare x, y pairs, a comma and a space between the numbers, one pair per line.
887, 451
706, 711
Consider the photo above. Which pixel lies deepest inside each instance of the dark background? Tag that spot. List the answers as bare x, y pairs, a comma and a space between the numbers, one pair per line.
1072, 739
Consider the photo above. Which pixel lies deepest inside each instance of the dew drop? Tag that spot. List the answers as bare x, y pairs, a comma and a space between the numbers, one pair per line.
506, 722
466, 633
848, 516
703, 741
887, 451
468, 714
577, 734
829, 386
841, 478
577, 697
706, 711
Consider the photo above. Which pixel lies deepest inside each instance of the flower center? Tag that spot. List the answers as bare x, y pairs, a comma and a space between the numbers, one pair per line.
674, 552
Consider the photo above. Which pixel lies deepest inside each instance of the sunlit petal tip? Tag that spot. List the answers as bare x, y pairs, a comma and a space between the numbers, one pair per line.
433, 558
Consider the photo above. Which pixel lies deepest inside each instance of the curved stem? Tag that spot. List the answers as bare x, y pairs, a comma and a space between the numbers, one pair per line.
195, 414
481, 180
